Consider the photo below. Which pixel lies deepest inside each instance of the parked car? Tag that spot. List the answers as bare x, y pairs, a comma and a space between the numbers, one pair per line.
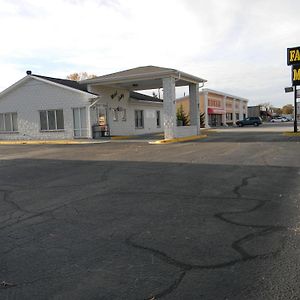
255, 121
290, 118
279, 119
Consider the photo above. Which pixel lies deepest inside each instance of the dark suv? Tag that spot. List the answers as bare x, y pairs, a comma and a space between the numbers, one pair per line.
255, 121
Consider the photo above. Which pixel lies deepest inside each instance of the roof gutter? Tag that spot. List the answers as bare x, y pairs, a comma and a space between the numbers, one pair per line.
95, 102
127, 77
153, 75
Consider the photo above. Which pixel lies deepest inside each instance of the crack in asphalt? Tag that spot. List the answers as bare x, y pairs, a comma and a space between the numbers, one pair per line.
103, 177
6, 199
28, 215
245, 181
183, 267
171, 288
50, 212
236, 245
17, 208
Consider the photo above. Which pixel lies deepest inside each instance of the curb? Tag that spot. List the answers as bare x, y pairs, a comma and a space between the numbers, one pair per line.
209, 130
122, 137
178, 140
132, 137
54, 142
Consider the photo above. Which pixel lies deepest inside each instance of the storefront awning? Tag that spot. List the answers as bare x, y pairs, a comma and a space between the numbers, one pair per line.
215, 111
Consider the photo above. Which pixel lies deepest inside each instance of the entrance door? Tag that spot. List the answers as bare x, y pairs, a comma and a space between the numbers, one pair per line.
214, 120
79, 121
102, 115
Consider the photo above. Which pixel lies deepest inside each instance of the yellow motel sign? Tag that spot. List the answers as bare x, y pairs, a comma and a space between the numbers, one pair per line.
296, 75
293, 56
293, 59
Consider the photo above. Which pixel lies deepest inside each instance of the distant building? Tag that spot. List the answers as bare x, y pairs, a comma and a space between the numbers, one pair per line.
260, 111
254, 111
220, 109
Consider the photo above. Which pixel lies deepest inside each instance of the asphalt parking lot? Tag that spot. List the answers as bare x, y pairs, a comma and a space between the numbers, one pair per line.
216, 218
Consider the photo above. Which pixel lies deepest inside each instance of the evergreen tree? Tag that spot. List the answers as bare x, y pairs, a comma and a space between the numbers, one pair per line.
182, 118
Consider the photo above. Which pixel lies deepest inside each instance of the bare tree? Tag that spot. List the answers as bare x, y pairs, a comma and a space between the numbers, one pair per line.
266, 105
288, 109
277, 110
80, 76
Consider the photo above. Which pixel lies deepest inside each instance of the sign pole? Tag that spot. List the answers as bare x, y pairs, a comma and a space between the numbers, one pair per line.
295, 109
293, 59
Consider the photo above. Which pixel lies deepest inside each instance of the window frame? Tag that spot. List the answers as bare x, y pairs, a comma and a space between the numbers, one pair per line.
82, 113
124, 115
55, 120
229, 116
158, 119
12, 127
139, 125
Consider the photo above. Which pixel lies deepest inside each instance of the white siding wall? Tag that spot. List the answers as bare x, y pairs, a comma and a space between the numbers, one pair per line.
127, 127
33, 96
149, 117
184, 131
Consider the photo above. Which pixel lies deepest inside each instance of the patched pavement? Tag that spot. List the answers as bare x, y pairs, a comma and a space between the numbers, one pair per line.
215, 219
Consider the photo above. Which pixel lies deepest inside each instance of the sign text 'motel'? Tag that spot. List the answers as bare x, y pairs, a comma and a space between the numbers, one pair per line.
296, 75
293, 56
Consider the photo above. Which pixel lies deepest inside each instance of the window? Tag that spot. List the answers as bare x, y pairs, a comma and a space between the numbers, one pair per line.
79, 122
139, 119
124, 117
52, 120
229, 116
214, 103
8, 122
237, 116
60, 119
158, 118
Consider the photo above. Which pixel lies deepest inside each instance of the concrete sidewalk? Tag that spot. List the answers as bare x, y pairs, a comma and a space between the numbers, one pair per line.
53, 142
156, 138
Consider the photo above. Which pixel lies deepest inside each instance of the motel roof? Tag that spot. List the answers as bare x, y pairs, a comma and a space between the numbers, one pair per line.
143, 78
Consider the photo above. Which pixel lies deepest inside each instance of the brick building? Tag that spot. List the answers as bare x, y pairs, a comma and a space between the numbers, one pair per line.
220, 109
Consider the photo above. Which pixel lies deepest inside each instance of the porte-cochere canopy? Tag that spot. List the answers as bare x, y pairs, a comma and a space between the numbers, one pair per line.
152, 77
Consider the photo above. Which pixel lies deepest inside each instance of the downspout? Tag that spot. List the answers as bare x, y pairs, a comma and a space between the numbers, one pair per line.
179, 77
98, 98
89, 116
200, 87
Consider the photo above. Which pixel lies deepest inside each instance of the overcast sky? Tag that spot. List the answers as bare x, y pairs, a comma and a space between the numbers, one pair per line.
239, 46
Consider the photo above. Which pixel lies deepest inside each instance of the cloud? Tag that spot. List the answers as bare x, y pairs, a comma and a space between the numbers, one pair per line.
239, 46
